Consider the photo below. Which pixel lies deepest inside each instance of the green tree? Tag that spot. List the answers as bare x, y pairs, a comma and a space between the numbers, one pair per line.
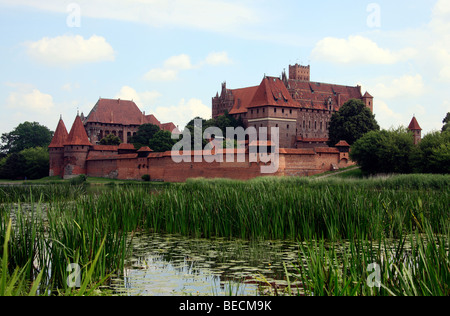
351, 122
30, 163
162, 141
446, 122
36, 162
384, 151
26, 135
144, 134
111, 140
13, 167
433, 153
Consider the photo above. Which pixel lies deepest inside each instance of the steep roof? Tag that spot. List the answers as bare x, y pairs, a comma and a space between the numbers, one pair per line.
342, 143
118, 111
77, 135
273, 92
60, 136
242, 99
314, 95
414, 125
123, 112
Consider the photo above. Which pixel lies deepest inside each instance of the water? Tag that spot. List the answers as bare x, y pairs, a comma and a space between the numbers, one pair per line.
177, 265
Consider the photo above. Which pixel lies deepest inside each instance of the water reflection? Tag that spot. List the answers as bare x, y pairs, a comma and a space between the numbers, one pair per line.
177, 265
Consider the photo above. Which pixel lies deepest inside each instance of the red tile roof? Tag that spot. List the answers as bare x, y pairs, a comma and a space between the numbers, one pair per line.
105, 148
145, 149
242, 99
325, 150
299, 94
273, 92
77, 135
124, 146
297, 151
342, 143
414, 125
314, 95
123, 112
60, 136
116, 112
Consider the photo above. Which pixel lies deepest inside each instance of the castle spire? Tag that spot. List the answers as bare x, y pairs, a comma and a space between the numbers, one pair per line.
78, 135
60, 136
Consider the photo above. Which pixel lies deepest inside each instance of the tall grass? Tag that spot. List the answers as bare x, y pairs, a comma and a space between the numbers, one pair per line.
415, 265
57, 225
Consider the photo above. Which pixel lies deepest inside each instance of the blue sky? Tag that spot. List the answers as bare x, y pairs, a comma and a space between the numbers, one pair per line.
171, 56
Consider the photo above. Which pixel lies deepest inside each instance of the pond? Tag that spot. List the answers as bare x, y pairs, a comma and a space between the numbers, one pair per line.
176, 265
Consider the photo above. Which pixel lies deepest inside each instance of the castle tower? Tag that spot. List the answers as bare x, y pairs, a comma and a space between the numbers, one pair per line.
299, 72
368, 100
76, 149
417, 131
56, 150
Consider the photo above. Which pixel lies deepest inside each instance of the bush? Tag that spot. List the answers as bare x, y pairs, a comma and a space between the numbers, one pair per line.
146, 177
78, 180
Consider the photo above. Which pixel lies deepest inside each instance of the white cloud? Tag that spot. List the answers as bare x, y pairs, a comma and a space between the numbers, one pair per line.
30, 100
386, 117
175, 64
161, 75
142, 99
357, 50
68, 50
210, 15
405, 86
181, 62
218, 58
182, 113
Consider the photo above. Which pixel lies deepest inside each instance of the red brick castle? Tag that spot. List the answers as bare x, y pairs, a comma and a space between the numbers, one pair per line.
301, 109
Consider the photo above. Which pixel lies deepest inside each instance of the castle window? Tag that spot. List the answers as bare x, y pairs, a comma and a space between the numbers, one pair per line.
275, 110
288, 127
282, 111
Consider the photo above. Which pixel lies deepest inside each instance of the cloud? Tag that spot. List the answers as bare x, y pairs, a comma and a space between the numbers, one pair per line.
210, 15
387, 117
405, 86
220, 58
142, 99
175, 64
357, 50
30, 100
182, 113
68, 50
181, 62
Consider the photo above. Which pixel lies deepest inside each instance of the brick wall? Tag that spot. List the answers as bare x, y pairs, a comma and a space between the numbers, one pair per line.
292, 162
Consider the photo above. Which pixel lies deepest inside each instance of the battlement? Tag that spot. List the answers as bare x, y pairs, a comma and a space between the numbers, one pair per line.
299, 72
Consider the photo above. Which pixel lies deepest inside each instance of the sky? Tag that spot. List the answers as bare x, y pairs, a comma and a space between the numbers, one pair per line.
170, 57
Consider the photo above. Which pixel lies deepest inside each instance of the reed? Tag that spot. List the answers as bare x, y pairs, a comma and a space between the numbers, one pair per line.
415, 265
59, 224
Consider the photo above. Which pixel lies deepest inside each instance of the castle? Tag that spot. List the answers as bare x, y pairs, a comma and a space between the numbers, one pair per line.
299, 108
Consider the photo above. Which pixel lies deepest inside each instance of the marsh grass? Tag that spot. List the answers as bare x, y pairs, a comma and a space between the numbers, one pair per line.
66, 224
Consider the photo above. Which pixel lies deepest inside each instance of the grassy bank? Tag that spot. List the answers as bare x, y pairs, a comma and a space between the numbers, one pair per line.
70, 226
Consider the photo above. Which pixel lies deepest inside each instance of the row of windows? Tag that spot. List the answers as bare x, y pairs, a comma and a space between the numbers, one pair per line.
274, 111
